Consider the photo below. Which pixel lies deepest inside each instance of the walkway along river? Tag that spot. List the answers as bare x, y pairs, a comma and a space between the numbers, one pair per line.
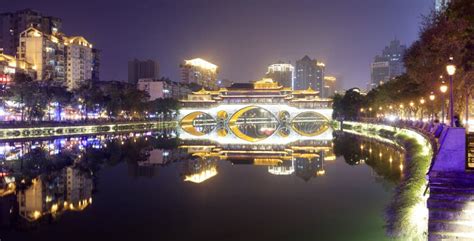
440, 205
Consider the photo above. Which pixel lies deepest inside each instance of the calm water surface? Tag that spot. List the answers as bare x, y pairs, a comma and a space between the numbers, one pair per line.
157, 187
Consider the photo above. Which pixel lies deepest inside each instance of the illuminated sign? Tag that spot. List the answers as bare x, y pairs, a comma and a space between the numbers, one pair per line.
4, 79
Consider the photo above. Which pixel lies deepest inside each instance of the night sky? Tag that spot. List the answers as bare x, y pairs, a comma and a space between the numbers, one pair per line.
241, 36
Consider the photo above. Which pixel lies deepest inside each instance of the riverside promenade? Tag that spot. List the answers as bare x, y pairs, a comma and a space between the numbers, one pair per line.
450, 184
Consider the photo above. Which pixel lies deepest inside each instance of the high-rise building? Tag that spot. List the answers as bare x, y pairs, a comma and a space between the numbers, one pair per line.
79, 61
201, 72
389, 64
440, 5
309, 73
13, 24
282, 73
142, 69
46, 52
95, 64
66, 60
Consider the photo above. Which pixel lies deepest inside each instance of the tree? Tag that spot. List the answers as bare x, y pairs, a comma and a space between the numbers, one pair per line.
445, 34
347, 107
90, 96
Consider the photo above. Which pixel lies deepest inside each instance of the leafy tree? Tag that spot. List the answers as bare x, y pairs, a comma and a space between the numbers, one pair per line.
347, 107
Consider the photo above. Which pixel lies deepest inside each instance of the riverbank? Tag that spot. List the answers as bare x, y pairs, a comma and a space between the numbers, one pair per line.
407, 215
74, 129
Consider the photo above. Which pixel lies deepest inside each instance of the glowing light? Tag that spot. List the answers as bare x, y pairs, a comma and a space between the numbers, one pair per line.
36, 214
443, 88
330, 78
201, 63
451, 68
201, 176
432, 96
54, 208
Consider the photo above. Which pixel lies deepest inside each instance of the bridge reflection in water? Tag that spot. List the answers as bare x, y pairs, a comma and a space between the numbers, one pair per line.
304, 159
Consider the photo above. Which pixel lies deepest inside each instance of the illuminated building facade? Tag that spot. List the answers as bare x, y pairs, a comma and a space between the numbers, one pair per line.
12, 24
142, 69
201, 72
67, 60
44, 51
264, 91
9, 65
388, 65
309, 73
79, 61
282, 73
163, 88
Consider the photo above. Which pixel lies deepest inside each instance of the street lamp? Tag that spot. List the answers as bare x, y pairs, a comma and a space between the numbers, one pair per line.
401, 106
451, 69
412, 104
422, 102
443, 88
432, 98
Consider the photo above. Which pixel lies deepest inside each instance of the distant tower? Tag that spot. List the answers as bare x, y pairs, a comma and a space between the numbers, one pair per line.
142, 69
389, 64
309, 73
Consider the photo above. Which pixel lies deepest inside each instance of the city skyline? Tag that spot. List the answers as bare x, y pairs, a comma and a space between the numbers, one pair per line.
221, 26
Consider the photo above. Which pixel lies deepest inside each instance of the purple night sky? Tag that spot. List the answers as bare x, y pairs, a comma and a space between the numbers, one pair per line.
241, 36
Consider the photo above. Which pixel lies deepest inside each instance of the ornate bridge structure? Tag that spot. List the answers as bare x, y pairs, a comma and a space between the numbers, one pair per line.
261, 112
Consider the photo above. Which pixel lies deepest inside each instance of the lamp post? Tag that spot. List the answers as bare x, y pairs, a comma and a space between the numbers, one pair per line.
443, 88
412, 104
451, 69
402, 114
422, 102
432, 98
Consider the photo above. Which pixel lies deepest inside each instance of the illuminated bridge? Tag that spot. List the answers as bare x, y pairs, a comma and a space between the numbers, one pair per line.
261, 112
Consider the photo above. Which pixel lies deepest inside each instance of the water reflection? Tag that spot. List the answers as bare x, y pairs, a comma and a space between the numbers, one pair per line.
42, 180
304, 159
385, 159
